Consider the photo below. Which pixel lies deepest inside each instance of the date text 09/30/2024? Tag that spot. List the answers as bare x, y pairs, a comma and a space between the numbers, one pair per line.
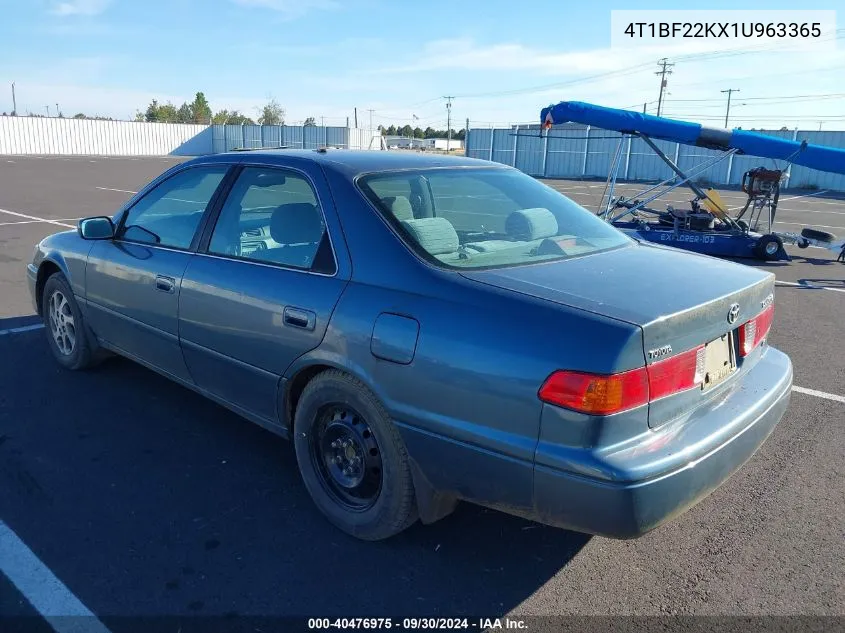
415, 624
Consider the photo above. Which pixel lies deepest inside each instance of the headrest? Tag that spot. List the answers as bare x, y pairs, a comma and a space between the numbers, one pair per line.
296, 223
531, 224
400, 207
437, 236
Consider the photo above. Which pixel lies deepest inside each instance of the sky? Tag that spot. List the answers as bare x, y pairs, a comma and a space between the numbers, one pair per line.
502, 61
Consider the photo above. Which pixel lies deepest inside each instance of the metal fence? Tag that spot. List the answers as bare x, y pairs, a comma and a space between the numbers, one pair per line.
59, 136
228, 137
579, 151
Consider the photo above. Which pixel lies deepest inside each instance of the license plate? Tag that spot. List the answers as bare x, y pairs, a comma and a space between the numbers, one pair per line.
719, 361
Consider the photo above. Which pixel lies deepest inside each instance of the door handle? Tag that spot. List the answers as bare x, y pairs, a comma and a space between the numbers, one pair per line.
165, 284
297, 317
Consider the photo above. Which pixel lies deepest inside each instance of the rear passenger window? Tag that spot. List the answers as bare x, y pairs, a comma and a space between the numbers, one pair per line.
272, 216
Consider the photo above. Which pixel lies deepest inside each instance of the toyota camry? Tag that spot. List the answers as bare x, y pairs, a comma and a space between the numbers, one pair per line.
429, 330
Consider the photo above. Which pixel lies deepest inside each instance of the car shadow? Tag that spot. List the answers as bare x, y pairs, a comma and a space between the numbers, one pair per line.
147, 499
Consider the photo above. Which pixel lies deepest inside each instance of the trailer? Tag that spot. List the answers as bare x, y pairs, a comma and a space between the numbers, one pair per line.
707, 226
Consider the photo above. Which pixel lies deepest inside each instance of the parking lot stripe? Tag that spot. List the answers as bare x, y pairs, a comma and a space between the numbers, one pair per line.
32, 217
807, 285
806, 195
819, 394
46, 593
110, 189
24, 328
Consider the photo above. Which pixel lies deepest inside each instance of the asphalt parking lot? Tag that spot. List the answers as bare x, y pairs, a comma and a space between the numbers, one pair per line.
142, 498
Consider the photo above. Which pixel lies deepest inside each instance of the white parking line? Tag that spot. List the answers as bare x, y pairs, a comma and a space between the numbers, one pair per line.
36, 221
110, 189
805, 195
819, 394
32, 217
811, 286
46, 593
824, 226
23, 328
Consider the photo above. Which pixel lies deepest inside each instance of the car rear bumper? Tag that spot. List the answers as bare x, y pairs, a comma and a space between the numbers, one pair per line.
619, 506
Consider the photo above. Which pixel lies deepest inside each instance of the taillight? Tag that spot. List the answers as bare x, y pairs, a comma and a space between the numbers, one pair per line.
598, 394
677, 373
753, 332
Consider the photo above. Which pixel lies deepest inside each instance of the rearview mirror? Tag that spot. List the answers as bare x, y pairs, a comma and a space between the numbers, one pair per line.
96, 228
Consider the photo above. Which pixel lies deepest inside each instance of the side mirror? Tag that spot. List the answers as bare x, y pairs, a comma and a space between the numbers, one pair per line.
96, 228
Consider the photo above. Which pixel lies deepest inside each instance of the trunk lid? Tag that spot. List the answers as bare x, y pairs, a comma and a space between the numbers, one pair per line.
679, 299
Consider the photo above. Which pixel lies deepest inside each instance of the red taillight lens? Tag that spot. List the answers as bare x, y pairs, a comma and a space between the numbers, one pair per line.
596, 394
675, 374
752, 333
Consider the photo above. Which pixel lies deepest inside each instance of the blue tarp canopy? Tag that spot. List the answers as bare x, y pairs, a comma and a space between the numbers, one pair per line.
819, 157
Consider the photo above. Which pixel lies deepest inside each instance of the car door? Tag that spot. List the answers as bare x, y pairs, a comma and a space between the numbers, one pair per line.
261, 289
133, 281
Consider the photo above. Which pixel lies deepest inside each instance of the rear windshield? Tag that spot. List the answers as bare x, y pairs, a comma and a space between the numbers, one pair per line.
486, 217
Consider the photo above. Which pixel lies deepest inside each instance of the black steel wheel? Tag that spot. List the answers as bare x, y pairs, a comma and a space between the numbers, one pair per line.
346, 457
352, 458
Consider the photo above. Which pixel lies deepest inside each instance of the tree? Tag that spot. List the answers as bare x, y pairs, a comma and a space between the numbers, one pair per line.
200, 111
391, 131
79, 115
460, 135
183, 115
151, 115
310, 122
272, 114
418, 133
231, 118
429, 132
405, 130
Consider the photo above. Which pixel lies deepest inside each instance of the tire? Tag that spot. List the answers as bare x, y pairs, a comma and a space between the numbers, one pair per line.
821, 236
67, 333
768, 247
336, 407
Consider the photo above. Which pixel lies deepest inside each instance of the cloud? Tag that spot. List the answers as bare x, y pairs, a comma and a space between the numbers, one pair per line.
80, 7
290, 9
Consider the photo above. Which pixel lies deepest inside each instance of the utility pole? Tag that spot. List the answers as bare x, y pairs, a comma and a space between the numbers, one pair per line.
664, 70
14, 100
57, 109
730, 91
356, 118
448, 123
644, 105
371, 120
820, 125
46, 107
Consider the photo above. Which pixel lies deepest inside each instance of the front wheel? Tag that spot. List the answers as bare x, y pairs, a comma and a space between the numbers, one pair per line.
768, 247
63, 321
352, 459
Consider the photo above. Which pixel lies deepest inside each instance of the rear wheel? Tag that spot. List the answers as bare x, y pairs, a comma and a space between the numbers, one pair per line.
66, 330
819, 236
768, 247
352, 458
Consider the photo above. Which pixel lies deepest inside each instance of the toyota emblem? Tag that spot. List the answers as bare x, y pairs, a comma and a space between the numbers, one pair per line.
733, 313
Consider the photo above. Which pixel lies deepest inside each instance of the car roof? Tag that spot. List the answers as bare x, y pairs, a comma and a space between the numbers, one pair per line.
351, 162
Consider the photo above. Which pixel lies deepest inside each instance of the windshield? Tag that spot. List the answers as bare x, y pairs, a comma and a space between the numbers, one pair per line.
486, 217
